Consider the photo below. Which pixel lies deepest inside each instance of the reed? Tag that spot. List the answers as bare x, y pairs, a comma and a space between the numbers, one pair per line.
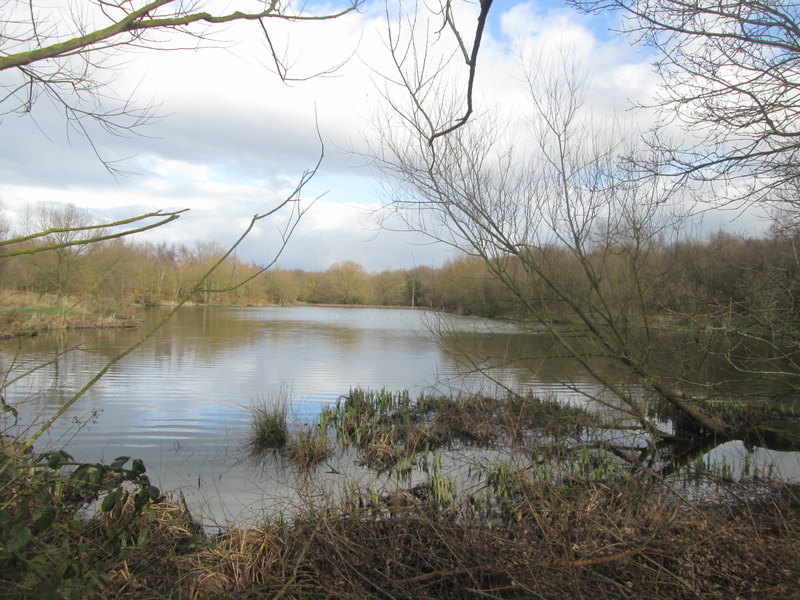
269, 424
308, 447
390, 429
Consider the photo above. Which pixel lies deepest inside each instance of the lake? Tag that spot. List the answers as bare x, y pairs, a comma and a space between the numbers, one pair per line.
181, 401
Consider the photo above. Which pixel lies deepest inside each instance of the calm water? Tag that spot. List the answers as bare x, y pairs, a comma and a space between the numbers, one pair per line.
181, 401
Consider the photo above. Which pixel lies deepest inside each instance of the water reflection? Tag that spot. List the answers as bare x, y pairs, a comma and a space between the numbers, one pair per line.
181, 401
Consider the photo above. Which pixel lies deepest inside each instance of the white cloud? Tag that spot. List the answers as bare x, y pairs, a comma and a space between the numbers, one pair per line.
179, 170
234, 140
548, 27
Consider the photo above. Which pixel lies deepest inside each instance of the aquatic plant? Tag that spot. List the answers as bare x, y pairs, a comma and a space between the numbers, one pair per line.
389, 429
269, 425
308, 447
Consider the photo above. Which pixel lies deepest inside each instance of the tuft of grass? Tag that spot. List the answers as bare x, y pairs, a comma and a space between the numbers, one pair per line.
308, 447
269, 424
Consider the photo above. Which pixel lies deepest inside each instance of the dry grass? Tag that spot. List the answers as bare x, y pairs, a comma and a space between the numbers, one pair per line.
308, 447
240, 561
24, 314
575, 540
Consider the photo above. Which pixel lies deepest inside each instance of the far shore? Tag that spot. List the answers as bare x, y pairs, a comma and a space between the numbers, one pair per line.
392, 307
26, 316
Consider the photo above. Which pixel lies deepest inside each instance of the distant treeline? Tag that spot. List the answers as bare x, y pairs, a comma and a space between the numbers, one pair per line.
721, 271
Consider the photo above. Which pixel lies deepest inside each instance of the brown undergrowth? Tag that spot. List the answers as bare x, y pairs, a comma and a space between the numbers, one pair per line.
572, 540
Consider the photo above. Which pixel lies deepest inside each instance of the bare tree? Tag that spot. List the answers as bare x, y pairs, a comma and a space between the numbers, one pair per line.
349, 282
64, 225
560, 224
730, 74
5, 226
730, 77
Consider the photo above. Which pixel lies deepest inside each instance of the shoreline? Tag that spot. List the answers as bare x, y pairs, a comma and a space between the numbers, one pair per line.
13, 332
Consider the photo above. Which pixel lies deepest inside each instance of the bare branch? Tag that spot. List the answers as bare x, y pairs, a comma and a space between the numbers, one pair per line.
472, 63
69, 63
138, 21
162, 219
730, 75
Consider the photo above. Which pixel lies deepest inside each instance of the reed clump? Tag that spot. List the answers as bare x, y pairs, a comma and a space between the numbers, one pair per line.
269, 425
308, 447
273, 430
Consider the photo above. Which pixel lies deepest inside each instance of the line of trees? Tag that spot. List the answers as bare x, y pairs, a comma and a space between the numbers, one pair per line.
723, 274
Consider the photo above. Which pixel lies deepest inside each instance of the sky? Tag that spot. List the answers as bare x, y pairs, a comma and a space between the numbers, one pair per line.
230, 139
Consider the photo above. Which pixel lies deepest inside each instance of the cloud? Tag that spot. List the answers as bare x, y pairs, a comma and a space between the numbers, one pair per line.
233, 140
551, 27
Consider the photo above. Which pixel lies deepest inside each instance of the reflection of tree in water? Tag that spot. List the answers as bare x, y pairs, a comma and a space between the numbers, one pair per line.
206, 332
517, 359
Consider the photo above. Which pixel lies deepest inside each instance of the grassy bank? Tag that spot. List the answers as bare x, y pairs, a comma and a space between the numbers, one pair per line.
24, 314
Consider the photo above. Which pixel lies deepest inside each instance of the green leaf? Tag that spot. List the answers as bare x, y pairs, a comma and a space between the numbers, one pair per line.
80, 475
109, 502
43, 516
140, 500
118, 462
56, 460
97, 473
138, 467
18, 538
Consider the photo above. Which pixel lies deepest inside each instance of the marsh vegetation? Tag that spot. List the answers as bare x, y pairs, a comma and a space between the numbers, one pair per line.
269, 425
538, 506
